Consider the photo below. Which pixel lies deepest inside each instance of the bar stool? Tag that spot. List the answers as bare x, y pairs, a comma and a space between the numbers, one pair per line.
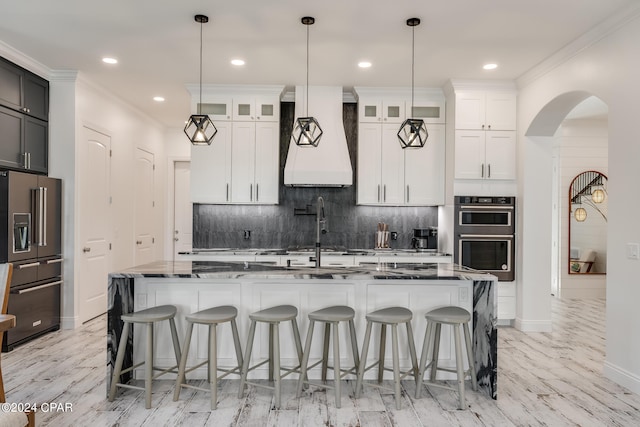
391, 316
211, 317
147, 317
458, 318
330, 316
273, 316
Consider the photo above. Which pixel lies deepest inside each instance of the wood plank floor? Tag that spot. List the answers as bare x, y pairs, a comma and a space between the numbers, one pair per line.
544, 379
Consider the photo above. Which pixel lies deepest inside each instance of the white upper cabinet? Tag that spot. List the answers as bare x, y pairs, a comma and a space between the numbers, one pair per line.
485, 110
242, 163
485, 134
388, 174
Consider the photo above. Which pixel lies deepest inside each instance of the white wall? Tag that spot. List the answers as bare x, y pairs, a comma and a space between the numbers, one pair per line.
606, 68
582, 145
177, 148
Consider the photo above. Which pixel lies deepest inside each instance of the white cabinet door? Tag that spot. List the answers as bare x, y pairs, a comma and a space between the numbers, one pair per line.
429, 111
267, 162
267, 109
243, 162
470, 110
500, 155
219, 109
369, 111
369, 165
469, 157
392, 166
425, 170
500, 111
211, 168
393, 111
244, 109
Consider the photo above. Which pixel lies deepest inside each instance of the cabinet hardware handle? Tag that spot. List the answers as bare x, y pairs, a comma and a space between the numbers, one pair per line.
251, 192
25, 160
257, 193
37, 288
29, 160
44, 212
378, 193
384, 193
488, 170
138, 242
227, 191
54, 261
85, 250
482, 171
489, 127
482, 126
32, 264
407, 194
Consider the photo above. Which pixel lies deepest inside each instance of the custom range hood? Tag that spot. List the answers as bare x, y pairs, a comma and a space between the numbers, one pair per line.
328, 164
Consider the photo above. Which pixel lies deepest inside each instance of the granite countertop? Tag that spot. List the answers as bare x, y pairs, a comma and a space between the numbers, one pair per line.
338, 251
258, 270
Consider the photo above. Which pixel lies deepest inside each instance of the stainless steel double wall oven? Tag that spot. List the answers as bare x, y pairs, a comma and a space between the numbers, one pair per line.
485, 234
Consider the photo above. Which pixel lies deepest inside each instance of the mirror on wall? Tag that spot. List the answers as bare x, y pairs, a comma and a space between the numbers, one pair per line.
588, 197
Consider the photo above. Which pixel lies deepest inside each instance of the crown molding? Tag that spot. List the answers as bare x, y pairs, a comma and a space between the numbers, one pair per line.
590, 38
26, 62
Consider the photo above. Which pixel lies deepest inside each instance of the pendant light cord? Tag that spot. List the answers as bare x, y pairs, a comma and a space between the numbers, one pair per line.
306, 111
413, 54
200, 103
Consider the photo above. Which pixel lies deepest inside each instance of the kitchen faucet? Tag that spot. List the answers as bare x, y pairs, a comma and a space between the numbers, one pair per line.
320, 227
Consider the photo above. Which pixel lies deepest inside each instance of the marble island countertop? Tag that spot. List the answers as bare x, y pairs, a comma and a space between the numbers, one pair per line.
258, 270
339, 251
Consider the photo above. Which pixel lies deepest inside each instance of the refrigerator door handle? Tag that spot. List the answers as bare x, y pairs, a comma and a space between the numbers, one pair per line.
44, 216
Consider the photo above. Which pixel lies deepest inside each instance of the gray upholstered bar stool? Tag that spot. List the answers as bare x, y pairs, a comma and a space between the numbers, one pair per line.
211, 317
391, 316
458, 318
146, 317
272, 316
330, 316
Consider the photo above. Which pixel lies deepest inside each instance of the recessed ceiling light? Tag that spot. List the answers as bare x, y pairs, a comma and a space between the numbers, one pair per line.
108, 60
490, 66
158, 98
364, 64
237, 62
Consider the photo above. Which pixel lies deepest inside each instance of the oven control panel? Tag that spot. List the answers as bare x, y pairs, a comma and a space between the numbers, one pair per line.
480, 200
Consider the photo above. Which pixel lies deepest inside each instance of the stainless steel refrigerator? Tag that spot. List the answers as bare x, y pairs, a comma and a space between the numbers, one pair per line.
31, 239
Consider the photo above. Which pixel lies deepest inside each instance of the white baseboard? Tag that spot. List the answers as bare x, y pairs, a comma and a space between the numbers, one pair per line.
70, 322
533, 325
622, 377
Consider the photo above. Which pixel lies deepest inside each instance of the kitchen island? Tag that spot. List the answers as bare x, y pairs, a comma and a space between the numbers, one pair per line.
252, 286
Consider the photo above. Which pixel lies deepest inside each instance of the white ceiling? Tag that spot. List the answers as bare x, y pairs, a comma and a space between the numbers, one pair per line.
157, 41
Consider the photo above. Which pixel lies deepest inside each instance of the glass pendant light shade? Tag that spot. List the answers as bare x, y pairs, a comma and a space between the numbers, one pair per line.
597, 195
306, 132
580, 214
413, 133
200, 129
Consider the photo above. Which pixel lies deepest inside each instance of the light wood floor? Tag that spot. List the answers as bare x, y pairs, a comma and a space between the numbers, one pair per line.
544, 379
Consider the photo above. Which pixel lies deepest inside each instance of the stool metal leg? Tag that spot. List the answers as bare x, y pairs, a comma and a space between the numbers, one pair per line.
396, 364
436, 351
122, 346
305, 358
276, 363
426, 351
412, 351
459, 364
354, 345
183, 362
271, 327
325, 351
148, 368
383, 343
296, 338
336, 364
472, 366
247, 358
213, 365
236, 342
174, 338
363, 359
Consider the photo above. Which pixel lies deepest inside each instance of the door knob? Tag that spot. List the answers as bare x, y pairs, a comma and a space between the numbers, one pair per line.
175, 239
138, 242
85, 250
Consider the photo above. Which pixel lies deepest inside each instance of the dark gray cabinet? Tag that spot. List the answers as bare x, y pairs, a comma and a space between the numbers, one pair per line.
24, 112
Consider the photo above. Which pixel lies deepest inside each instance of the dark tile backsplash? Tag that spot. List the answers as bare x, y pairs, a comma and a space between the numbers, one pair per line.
276, 226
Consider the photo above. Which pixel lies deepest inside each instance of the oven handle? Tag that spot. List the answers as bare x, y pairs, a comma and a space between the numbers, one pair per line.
487, 236
37, 288
501, 207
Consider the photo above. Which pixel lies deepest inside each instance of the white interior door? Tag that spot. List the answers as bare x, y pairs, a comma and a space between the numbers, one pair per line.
182, 208
93, 223
144, 208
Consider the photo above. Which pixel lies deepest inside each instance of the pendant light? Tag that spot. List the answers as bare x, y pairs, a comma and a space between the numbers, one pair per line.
200, 128
597, 195
413, 132
580, 214
306, 130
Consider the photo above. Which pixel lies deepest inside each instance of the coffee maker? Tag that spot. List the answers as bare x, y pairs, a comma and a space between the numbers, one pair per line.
425, 239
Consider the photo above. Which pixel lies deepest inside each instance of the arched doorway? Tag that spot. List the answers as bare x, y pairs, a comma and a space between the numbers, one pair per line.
576, 126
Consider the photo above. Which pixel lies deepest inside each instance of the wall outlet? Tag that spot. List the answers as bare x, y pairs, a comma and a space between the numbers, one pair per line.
247, 234
394, 235
633, 250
